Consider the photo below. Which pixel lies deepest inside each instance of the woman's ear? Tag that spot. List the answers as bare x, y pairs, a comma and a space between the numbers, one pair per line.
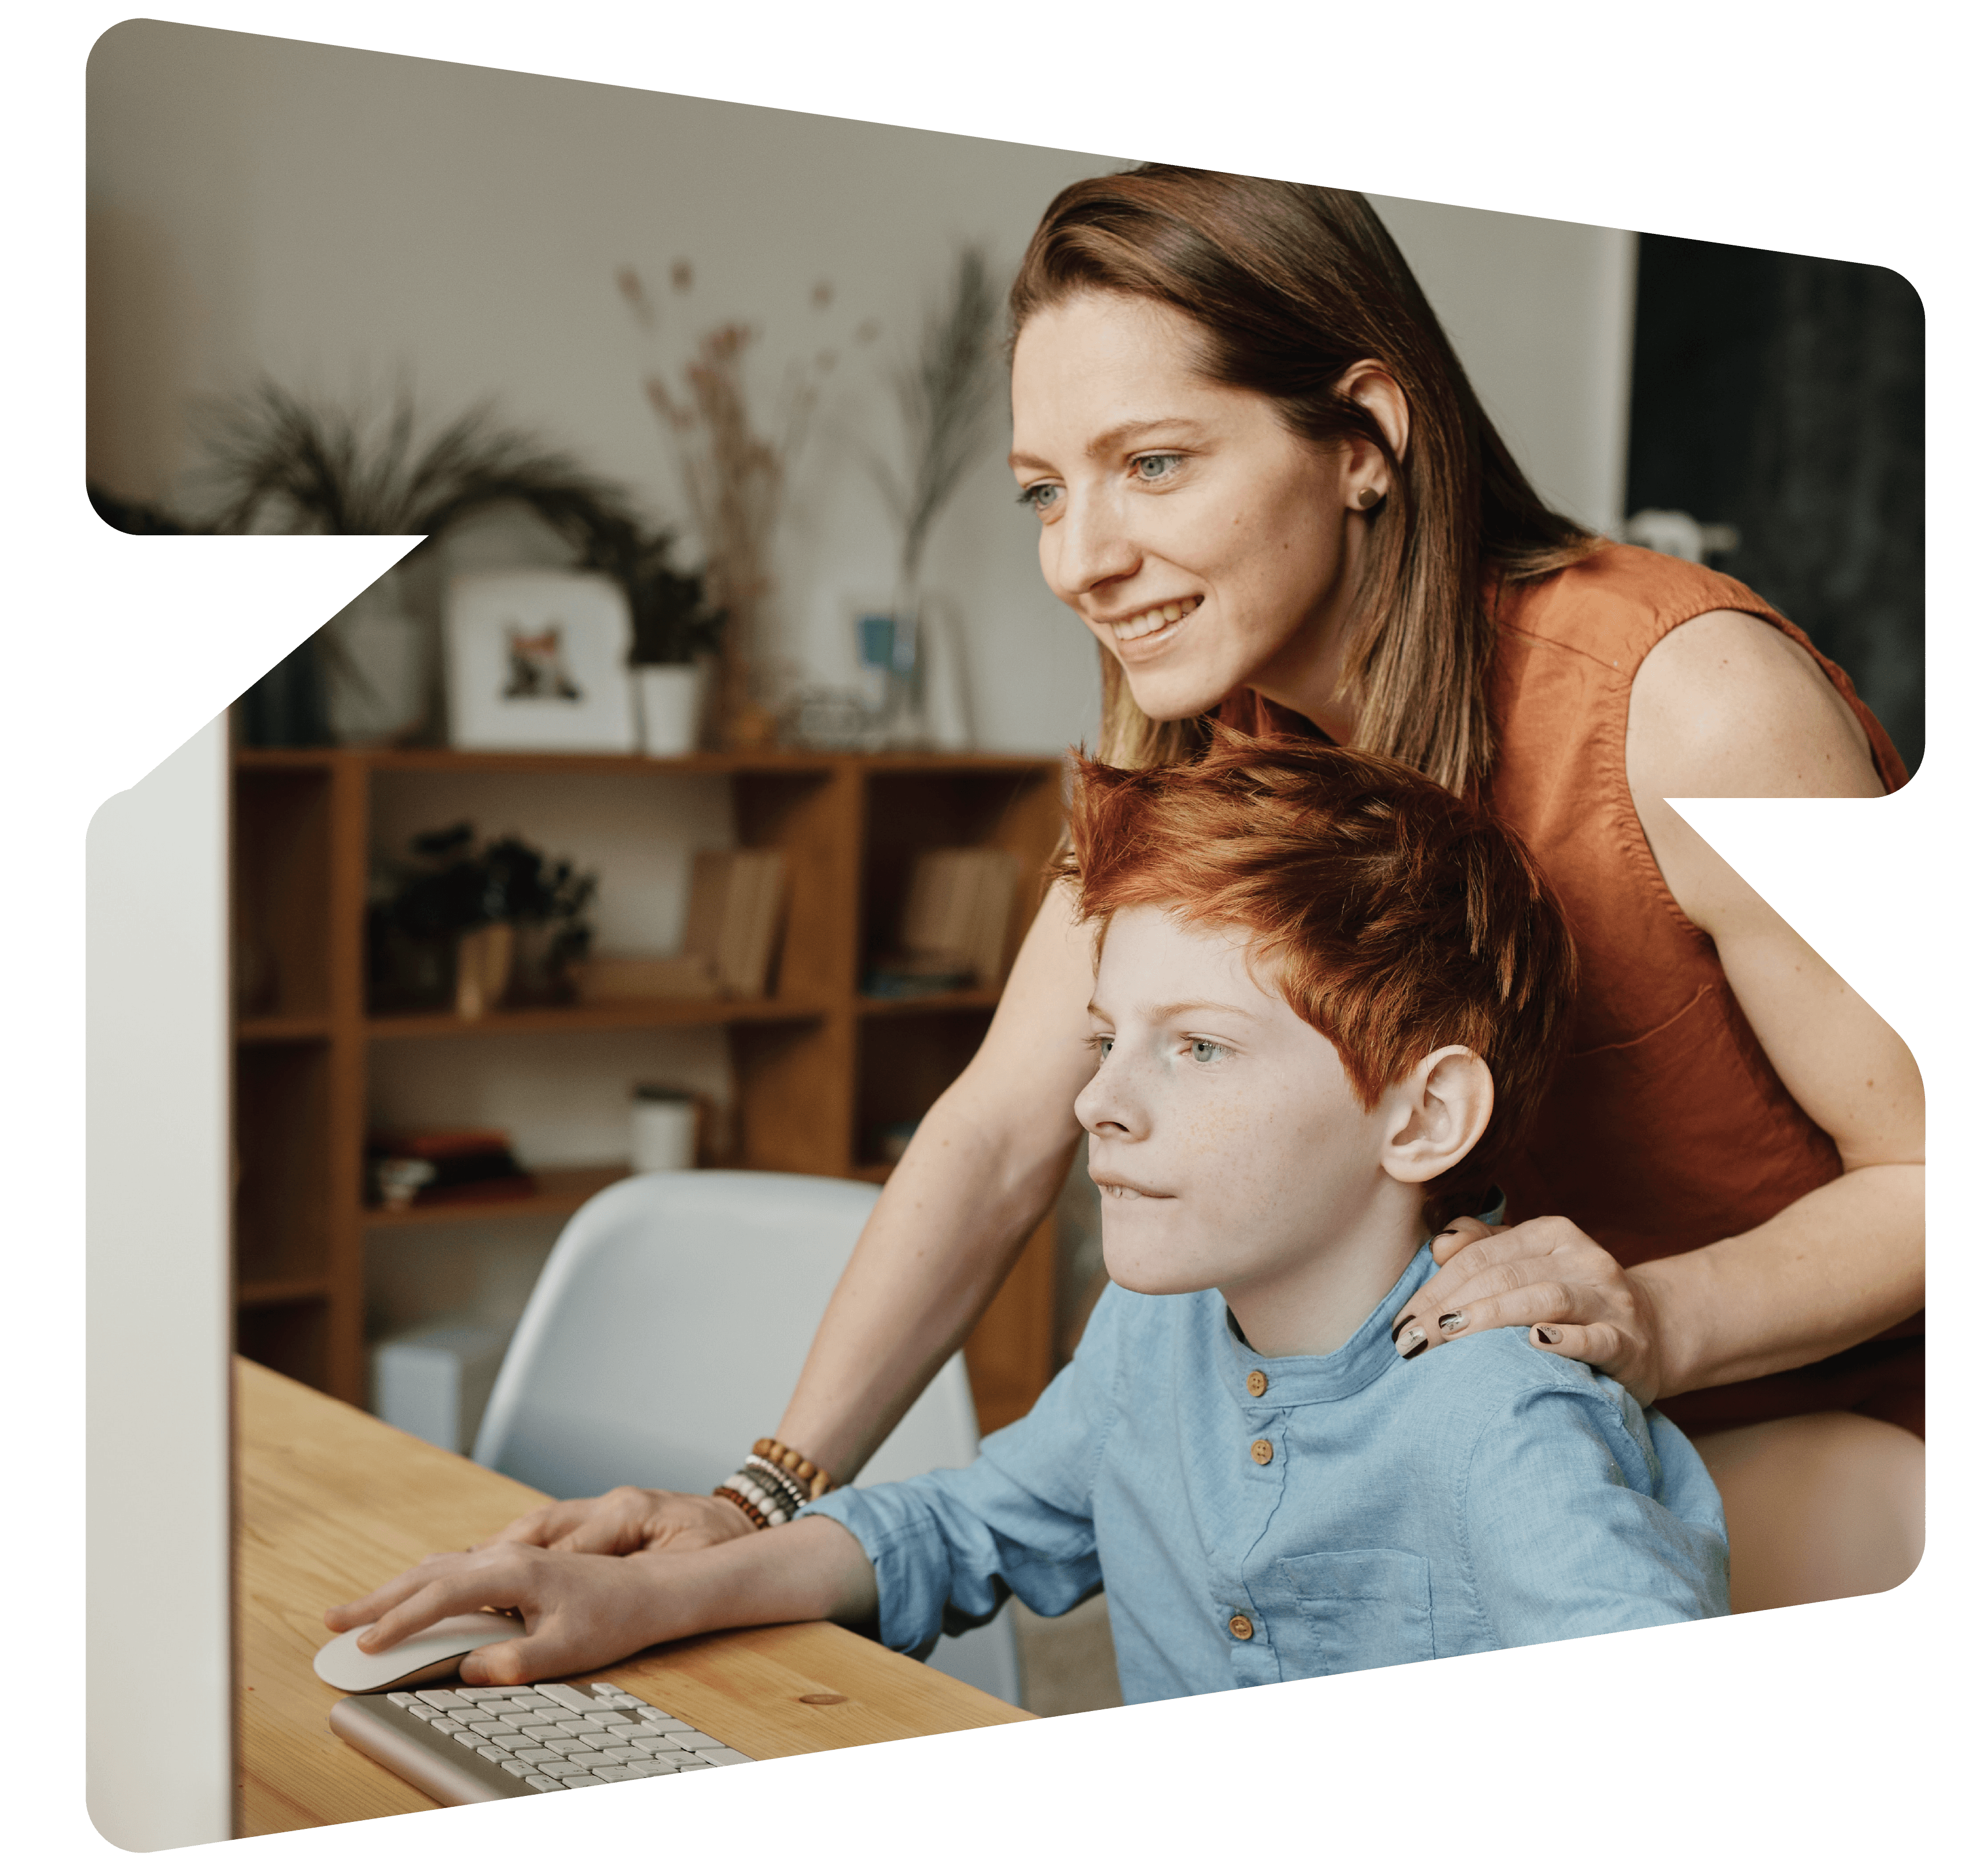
1369, 384
1437, 1111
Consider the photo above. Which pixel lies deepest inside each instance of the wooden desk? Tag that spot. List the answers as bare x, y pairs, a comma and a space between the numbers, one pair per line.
329, 1502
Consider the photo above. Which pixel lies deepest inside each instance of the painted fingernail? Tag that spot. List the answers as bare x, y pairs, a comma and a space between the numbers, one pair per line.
1547, 1335
1401, 1325
1411, 1342
1452, 1322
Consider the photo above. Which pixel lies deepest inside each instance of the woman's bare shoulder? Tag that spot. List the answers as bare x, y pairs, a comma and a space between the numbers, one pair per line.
1727, 706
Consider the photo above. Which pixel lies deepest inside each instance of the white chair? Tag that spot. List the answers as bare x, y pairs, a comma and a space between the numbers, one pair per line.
663, 1338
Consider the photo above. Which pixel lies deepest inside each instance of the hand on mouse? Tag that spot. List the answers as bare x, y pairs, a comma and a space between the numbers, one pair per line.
585, 1611
581, 1610
626, 1520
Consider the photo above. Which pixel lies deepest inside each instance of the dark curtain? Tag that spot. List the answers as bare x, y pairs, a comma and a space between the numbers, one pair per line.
1784, 396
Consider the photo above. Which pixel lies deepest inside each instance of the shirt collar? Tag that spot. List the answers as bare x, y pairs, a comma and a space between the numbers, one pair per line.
1355, 1364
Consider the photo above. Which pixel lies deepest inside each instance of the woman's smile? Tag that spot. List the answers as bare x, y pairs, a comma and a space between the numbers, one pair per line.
1153, 625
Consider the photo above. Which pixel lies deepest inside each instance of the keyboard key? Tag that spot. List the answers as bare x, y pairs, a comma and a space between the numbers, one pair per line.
532, 1699
486, 1729
485, 1695
591, 1761
442, 1698
651, 1769
492, 1754
693, 1739
400, 1698
580, 1780
535, 1757
566, 1698
443, 1725
625, 1755
517, 1767
539, 1783
621, 1772
566, 1745
542, 1731
464, 1738
694, 1766
723, 1756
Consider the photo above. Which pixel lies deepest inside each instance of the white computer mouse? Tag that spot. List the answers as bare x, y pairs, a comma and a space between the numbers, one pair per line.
427, 1656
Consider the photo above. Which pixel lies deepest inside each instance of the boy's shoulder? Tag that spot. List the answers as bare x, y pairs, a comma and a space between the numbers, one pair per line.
1475, 1383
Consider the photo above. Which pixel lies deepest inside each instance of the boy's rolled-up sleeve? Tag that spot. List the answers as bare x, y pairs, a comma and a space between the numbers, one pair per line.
1582, 1515
950, 1545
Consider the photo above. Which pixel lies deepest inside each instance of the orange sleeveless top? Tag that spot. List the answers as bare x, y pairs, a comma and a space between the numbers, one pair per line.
1665, 1127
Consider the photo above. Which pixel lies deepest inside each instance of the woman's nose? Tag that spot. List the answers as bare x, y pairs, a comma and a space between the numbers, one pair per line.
1091, 547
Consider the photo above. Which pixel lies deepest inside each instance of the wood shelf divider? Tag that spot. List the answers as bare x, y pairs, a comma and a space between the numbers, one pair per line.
817, 1066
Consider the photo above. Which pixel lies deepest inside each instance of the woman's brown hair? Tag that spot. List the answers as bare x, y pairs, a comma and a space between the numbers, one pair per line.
1291, 286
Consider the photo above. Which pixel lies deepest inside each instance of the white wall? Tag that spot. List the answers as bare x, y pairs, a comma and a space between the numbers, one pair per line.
335, 217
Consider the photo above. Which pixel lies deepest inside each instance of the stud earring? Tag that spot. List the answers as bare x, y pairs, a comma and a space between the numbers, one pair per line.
1366, 498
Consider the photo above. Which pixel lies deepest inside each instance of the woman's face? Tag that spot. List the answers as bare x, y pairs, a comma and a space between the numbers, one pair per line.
1204, 545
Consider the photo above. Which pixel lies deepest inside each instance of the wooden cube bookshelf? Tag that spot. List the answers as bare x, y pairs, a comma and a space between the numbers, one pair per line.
818, 1068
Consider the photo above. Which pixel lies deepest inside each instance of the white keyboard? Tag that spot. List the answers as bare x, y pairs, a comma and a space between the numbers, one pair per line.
460, 1745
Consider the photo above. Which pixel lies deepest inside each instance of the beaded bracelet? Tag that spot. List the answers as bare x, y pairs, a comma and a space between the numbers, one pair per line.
817, 1480
773, 1476
725, 1491
771, 1506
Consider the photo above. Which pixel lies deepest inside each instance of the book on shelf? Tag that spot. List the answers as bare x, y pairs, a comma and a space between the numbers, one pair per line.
958, 909
645, 977
406, 1166
736, 902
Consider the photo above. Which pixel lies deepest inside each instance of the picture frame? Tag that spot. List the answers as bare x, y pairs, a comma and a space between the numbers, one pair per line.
537, 660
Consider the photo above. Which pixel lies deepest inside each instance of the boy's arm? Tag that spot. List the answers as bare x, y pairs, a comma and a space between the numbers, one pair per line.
1581, 1515
948, 1548
583, 1611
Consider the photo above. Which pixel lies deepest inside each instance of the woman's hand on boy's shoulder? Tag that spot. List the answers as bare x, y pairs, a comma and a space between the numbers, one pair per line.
1569, 1293
626, 1520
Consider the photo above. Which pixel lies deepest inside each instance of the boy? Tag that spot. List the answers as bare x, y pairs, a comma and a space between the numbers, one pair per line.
1328, 997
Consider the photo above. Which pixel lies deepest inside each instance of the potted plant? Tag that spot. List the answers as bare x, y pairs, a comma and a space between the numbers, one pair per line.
479, 926
278, 461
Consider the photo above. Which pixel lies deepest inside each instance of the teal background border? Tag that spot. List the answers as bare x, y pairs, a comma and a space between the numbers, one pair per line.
1818, 1736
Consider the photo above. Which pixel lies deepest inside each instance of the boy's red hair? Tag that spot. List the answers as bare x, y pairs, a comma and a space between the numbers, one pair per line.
1398, 919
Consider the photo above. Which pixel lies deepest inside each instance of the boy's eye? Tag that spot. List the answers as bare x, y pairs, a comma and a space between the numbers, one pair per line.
1102, 1042
1206, 1051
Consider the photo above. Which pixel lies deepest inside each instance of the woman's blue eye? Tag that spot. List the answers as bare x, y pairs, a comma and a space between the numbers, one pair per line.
1206, 1051
1155, 467
1037, 498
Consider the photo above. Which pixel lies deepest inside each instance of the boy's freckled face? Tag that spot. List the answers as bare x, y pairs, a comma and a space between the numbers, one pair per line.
1226, 1138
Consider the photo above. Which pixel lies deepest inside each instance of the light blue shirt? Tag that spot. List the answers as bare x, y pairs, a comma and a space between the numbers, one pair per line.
1484, 1494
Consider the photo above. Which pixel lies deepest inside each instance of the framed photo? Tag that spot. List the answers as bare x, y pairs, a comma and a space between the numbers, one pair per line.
538, 659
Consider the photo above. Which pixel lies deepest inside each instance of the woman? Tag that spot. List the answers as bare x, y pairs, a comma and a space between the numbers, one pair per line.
1265, 487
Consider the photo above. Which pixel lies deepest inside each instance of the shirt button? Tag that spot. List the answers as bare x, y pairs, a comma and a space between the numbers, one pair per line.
1241, 1628
1258, 1383
1260, 1451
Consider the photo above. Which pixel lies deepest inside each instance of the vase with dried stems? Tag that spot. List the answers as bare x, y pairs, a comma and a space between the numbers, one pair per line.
735, 482
944, 392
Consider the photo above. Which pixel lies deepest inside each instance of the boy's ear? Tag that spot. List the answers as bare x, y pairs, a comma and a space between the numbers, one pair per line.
1436, 1112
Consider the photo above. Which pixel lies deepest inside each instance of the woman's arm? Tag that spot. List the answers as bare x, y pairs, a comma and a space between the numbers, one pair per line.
985, 1164
1728, 706
982, 1169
